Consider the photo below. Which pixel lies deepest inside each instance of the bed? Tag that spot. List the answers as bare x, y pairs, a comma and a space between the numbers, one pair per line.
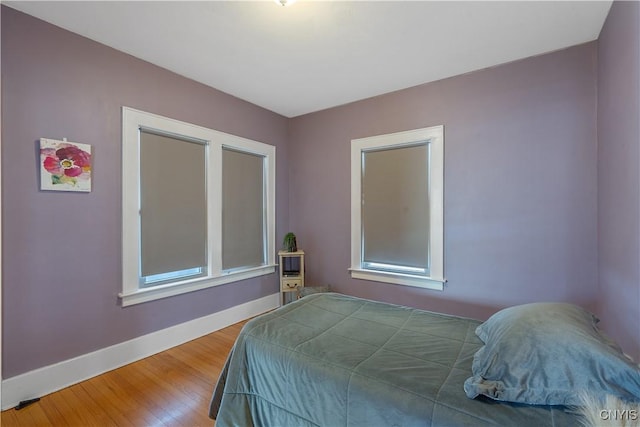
334, 360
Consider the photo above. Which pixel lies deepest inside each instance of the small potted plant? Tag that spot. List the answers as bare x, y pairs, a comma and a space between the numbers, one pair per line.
289, 242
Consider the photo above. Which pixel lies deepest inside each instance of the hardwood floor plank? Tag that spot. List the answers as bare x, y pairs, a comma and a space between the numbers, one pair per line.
169, 389
145, 394
34, 415
120, 407
87, 405
65, 402
9, 418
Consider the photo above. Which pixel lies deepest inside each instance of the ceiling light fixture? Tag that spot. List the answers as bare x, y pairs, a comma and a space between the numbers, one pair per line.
285, 2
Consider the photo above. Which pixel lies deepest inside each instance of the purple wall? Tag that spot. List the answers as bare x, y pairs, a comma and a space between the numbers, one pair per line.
520, 184
619, 174
62, 267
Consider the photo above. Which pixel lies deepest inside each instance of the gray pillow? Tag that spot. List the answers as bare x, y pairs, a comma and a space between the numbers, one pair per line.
548, 354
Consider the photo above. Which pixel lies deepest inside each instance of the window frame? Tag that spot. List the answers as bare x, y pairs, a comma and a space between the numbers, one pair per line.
132, 121
434, 136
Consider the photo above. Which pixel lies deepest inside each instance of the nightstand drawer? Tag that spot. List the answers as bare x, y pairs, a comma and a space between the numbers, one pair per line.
290, 284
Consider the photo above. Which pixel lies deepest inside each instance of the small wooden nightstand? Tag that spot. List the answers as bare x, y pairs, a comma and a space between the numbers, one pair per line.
291, 272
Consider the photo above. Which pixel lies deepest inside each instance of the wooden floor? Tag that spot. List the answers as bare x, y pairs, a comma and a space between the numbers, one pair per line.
172, 388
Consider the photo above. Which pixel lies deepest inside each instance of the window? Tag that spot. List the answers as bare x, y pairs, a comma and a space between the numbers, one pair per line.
198, 207
397, 216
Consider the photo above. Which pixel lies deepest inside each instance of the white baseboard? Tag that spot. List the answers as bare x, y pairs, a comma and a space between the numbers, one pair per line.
55, 377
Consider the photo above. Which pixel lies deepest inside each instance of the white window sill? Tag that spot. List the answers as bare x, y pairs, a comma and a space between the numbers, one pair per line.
141, 295
398, 279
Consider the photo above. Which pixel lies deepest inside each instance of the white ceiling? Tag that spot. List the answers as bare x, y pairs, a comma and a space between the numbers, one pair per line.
314, 55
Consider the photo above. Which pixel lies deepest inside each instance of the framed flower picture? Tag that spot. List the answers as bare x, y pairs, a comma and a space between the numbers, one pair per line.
65, 166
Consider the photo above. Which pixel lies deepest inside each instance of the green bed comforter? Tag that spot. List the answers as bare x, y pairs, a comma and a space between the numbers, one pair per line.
334, 360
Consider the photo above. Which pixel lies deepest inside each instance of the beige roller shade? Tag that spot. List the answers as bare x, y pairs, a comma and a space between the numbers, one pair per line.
173, 204
395, 206
243, 210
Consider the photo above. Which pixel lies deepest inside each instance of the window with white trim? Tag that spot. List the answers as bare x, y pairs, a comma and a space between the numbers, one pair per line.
198, 207
397, 208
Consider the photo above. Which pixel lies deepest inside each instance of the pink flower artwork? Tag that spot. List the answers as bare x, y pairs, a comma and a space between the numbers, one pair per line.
65, 166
